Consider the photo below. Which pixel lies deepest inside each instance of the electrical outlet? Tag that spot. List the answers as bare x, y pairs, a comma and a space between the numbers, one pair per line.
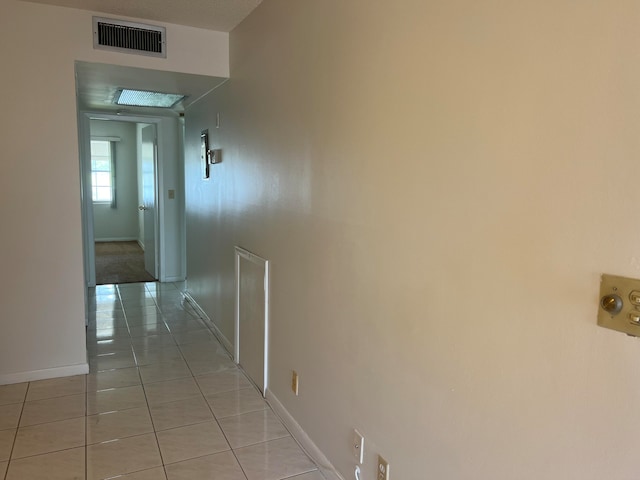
383, 469
358, 446
294, 382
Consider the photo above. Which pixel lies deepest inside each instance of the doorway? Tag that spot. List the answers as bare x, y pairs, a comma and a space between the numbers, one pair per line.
119, 170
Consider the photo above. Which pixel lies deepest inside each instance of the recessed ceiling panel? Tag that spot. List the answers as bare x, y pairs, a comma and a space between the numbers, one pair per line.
97, 85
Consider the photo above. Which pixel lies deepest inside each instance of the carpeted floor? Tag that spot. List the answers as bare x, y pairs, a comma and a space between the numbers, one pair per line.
120, 262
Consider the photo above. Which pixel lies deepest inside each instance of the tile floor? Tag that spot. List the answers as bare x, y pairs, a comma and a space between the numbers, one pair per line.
162, 401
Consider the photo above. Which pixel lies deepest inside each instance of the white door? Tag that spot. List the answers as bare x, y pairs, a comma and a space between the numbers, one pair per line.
252, 316
148, 206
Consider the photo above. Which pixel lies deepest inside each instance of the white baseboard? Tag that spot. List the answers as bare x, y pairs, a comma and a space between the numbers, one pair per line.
325, 466
116, 239
216, 331
140, 243
30, 376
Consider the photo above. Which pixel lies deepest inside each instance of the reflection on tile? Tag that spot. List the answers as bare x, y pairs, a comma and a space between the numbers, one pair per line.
180, 413
64, 465
115, 399
308, 476
138, 301
172, 390
110, 361
184, 326
107, 333
191, 442
122, 377
149, 329
6, 443
13, 393
53, 409
107, 313
152, 341
221, 466
49, 437
128, 455
202, 367
159, 372
236, 402
120, 424
56, 387
103, 322
174, 316
198, 336
141, 320
274, 460
224, 381
9, 416
158, 355
151, 474
141, 311
108, 346
250, 428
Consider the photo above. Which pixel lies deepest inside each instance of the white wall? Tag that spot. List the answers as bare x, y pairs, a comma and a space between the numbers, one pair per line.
41, 241
171, 209
120, 223
439, 186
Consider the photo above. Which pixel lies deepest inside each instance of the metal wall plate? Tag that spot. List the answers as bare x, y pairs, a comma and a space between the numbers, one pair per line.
619, 305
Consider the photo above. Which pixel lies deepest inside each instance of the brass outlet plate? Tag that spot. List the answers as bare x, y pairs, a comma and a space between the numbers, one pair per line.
627, 319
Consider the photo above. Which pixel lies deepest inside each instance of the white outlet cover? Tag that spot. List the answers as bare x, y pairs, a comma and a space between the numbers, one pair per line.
358, 446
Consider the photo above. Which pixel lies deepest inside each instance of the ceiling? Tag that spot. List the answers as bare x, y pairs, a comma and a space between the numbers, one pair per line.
97, 83
220, 15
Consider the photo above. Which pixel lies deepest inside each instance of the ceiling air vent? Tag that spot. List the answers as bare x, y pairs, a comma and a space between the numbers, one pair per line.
109, 34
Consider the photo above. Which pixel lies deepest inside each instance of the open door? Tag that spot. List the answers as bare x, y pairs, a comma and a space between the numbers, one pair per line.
148, 207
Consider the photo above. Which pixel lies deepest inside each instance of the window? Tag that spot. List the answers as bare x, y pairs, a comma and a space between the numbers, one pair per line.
102, 171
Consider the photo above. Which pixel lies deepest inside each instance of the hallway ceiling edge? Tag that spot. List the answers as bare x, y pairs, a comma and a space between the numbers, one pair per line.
219, 15
96, 85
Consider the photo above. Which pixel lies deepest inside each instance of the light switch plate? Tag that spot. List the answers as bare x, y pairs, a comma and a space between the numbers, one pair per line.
619, 304
358, 446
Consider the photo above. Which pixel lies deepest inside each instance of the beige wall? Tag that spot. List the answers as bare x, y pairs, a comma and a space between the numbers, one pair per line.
42, 294
439, 186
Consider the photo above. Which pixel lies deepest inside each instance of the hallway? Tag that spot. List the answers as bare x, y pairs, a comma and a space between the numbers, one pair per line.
163, 401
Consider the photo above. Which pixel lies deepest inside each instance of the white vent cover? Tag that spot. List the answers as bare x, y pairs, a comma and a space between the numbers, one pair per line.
129, 37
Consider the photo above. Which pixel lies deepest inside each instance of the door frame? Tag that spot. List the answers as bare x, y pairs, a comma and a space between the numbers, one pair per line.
84, 147
156, 196
241, 253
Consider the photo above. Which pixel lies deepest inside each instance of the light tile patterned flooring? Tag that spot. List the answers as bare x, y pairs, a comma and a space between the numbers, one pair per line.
162, 401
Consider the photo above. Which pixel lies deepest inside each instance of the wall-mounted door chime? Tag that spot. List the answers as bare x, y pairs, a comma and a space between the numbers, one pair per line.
208, 156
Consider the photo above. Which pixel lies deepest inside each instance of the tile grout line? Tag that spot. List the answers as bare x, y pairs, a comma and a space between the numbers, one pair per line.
15, 438
222, 430
209, 406
86, 426
146, 399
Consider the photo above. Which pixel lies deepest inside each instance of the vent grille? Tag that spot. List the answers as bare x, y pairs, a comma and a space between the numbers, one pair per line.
129, 37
